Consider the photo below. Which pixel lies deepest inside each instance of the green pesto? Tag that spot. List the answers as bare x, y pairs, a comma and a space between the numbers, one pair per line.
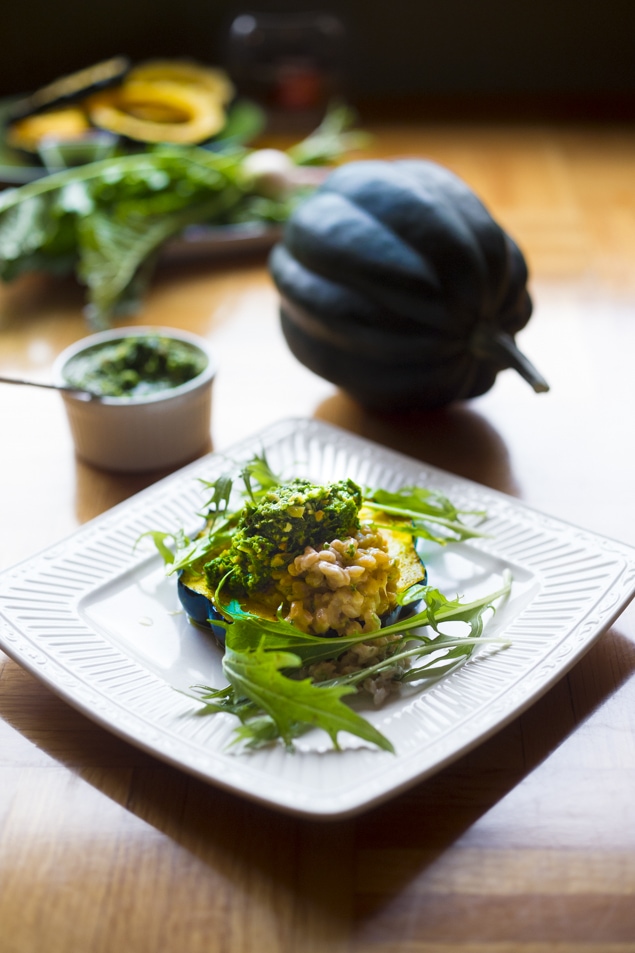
273, 531
135, 366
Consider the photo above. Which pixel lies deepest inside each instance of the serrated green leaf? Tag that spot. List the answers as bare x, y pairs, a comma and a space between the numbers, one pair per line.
261, 731
159, 538
36, 235
426, 513
219, 500
112, 252
258, 469
290, 703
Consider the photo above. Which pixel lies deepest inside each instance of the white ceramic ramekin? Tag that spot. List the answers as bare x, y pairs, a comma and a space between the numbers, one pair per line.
133, 434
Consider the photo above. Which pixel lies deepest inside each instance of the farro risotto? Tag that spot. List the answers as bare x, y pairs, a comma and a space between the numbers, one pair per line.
317, 592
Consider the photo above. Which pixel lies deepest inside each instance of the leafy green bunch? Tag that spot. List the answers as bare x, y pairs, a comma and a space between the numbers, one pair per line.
108, 220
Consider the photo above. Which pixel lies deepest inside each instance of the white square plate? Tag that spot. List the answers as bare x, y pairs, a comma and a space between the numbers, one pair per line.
96, 619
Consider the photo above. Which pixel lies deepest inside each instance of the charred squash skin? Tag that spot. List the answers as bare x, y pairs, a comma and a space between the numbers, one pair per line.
55, 110
398, 286
199, 602
70, 89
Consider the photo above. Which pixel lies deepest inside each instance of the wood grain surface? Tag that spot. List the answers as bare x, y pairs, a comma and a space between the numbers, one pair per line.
527, 844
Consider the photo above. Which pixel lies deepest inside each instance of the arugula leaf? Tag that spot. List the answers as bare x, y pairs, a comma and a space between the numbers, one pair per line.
247, 631
220, 520
37, 235
446, 654
438, 608
219, 500
121, 236
188, 552
420, 507
258, 469
418, 500
158, 537
225, 700
291, 703
260, 654
436, 668
108, 218
261, 730
112, 252
332, 137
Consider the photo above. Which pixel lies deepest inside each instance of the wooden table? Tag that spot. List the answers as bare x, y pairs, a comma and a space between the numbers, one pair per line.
526, 844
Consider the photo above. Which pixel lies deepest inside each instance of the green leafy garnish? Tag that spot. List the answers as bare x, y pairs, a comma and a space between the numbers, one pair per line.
294, 705
334, 136
258, 469
262, 657
427, 514
281, 680
106, 221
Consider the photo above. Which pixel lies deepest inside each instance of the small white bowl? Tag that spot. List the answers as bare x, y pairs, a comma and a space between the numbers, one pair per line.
133, 434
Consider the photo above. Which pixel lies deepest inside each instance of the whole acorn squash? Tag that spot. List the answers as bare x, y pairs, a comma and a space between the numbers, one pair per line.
398, 286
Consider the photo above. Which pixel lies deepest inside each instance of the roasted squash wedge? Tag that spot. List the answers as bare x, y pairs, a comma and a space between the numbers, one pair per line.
67, 123
215, 82
172, 101
137, 110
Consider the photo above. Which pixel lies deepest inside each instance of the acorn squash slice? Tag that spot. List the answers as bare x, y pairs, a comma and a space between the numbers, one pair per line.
28, 133
133, 109
215, 82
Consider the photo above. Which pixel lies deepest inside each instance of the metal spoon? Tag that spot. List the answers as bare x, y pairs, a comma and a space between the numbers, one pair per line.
78, 392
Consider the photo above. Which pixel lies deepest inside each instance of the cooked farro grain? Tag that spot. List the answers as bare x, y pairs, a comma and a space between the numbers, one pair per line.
342, 589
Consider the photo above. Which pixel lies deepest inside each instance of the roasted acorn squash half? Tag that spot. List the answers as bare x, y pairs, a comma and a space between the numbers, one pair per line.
199, 601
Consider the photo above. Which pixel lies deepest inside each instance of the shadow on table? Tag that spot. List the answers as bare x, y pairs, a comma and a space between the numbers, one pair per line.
454, 438
297, 856
98, 490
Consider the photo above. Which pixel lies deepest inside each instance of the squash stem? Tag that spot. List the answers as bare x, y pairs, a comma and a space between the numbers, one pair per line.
500, 346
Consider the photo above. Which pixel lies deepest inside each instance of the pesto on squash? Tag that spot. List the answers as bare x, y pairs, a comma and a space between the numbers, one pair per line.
279, 526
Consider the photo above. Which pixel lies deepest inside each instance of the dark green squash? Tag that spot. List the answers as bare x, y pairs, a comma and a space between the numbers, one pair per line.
398, 286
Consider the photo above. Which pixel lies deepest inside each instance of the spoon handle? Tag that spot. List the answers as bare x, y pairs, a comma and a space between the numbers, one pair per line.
63, 387
17, 380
